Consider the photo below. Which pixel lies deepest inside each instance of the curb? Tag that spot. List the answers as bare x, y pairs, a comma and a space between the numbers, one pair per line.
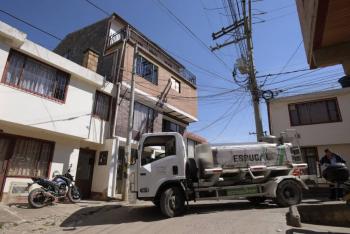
293, 217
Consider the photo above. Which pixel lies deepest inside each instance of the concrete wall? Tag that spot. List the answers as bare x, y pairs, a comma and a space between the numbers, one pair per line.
316, 134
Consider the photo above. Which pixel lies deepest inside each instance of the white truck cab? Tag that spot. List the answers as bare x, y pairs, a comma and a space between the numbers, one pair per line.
164, 174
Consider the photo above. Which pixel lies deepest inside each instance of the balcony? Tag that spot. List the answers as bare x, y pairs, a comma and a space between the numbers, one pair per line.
155, 51
115, 37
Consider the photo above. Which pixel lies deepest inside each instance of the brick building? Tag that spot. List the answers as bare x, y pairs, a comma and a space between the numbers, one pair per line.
165, 92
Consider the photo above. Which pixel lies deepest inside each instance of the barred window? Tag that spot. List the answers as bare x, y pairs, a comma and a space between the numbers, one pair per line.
34, 76
101, 105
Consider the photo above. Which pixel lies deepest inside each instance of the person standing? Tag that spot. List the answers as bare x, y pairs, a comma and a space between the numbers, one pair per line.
330, 159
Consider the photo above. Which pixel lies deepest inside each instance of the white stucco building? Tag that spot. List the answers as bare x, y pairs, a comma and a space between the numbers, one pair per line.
322, 119
49, 117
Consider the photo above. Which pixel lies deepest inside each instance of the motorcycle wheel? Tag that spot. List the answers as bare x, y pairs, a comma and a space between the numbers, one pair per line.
74, 194
37, 198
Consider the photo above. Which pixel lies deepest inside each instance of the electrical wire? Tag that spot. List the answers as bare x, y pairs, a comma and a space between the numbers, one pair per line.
188, 29
31, 25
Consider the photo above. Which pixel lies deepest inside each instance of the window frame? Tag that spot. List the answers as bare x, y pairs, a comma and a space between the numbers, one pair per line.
150, 122
154, 67
180, 129
14, 138
97, 115
18, 87
171, 137
335, 99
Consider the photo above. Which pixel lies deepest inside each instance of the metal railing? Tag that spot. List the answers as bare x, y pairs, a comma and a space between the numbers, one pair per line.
115, 37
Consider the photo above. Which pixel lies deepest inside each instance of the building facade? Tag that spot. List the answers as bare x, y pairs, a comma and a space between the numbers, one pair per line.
321, 119
70, 106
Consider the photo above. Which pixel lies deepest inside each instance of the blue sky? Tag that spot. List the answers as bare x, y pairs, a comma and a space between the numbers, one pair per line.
226, 118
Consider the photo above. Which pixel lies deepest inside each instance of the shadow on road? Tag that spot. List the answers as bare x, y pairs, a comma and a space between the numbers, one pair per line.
303, 231
116, 214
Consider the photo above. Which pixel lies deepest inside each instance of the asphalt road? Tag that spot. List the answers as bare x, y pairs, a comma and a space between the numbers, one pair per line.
225, 217
204, 217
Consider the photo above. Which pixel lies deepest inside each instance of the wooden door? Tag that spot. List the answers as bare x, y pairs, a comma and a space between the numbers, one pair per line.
5, 147
85, 172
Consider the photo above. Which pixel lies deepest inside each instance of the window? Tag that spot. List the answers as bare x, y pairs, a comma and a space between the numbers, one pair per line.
101, 105
30, 157
146, 69
325, 111
143, 119
157, 147
31, 75
175, 85
169, 126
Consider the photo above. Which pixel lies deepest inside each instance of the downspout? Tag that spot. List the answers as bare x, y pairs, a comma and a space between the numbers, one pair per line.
119, 84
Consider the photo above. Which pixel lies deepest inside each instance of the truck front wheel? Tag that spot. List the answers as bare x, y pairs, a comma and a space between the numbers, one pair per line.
288, 193
172, 202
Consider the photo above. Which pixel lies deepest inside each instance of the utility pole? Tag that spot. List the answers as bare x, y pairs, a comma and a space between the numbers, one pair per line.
252, 84
126, 172
247, 68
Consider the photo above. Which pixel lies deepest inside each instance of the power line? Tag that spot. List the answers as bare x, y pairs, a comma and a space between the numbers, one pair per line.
31, 25
191, 32
283, 73
98, 8
289, 60
234, 113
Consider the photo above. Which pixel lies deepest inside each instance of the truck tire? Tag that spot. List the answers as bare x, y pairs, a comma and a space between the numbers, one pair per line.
172, 202
256, 200
288, 193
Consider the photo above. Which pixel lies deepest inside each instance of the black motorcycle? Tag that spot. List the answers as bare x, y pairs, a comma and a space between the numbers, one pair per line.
59, 188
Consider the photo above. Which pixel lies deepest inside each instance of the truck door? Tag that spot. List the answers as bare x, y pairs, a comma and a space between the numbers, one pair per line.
158, 163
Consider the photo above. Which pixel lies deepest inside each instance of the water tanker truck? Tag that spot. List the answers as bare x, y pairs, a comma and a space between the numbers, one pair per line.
164, 174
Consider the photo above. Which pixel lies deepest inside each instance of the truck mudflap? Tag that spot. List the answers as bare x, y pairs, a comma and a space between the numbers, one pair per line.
270, 187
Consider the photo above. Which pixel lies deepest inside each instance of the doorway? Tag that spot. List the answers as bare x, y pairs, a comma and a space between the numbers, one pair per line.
4, 158
85, 171
310, 157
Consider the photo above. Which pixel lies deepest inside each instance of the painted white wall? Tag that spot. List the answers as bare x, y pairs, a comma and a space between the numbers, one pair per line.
316, 134
72, 117
104, 176
66, 150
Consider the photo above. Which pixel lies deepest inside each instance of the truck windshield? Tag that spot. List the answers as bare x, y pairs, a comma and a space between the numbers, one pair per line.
157, 147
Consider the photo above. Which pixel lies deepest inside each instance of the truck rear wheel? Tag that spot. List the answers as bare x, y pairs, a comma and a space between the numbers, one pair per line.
172, 202
288, 193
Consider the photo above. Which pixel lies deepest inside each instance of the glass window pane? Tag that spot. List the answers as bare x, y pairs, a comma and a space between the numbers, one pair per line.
34, 76
15, 67
334, 115
102, 105
318, 112
156, 148
304, 114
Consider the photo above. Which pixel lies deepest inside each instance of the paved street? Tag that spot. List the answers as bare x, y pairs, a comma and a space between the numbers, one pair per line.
204, 217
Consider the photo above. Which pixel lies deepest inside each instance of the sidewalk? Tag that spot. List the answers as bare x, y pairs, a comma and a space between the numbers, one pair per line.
35, 220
